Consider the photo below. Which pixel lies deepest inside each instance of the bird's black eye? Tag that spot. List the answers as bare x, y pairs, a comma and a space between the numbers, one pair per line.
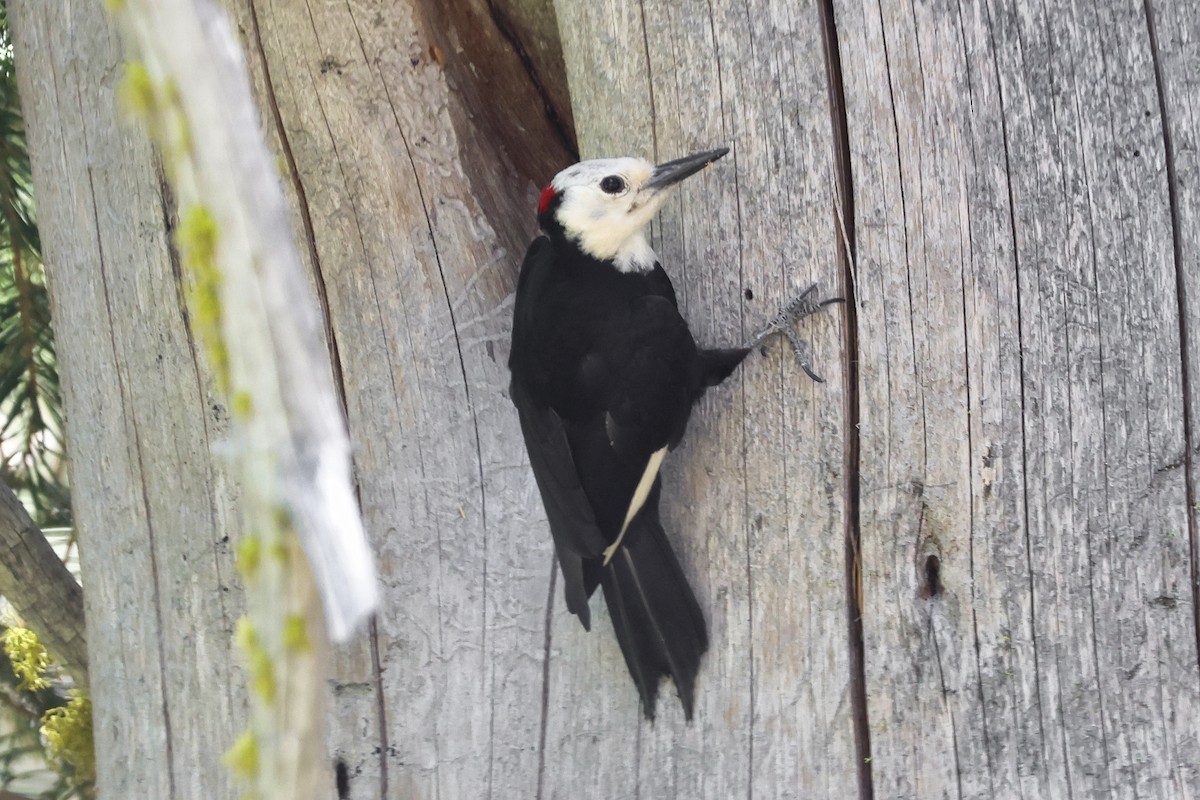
613, 184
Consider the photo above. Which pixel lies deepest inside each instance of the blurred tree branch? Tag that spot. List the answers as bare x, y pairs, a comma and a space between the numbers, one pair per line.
40, 587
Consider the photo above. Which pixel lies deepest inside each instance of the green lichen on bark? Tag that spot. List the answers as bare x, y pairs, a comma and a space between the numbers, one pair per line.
196, 240
28, 657
66, 730
68, 734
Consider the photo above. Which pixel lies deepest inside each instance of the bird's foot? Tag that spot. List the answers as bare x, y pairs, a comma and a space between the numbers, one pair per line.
804, 305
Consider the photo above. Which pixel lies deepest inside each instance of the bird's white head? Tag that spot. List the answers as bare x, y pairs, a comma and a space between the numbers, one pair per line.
606, 204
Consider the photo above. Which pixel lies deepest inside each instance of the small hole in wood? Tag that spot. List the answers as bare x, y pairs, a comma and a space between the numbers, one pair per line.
342, 779
932, 585
749, 294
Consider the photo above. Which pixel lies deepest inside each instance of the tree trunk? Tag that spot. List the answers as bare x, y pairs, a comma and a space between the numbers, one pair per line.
964, 566
149, 493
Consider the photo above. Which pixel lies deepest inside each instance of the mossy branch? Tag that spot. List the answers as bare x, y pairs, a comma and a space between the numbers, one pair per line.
259, 326
41, 589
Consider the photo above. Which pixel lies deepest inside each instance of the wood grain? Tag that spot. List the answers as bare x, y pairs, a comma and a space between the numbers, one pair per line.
153, 511
1019, 333
1175, 54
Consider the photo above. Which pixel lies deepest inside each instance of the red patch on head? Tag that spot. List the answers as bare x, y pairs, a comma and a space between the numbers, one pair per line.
547, 198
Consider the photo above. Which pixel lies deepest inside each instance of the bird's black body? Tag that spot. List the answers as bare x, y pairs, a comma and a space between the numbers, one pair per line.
604, 376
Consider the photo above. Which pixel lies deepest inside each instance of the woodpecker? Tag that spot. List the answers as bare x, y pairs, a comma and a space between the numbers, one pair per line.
604, 375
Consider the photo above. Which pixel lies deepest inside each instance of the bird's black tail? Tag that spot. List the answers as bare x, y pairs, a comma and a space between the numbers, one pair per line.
656, 617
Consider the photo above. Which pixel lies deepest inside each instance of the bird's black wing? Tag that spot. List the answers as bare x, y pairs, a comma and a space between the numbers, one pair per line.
661, 283
572, 523
716, 365
650, 394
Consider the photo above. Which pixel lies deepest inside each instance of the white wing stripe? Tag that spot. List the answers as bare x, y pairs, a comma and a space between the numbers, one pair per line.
639, 499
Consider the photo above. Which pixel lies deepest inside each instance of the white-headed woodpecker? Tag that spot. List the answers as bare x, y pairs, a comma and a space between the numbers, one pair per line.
604, 376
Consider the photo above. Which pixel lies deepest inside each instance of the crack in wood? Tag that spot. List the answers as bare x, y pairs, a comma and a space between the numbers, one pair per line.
937, 653
987, 470
132, 426
462, 363
341, 779
931, 583
545, 712
649, 79
380, 704
167, 198
335, 360
310, 239
506, 29
1185, 372
846, 246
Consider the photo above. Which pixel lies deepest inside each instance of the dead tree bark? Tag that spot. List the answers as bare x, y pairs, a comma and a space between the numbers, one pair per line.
1027, 519
1015, 187
965, 566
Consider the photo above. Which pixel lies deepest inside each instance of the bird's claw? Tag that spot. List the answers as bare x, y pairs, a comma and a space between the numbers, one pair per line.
803, 305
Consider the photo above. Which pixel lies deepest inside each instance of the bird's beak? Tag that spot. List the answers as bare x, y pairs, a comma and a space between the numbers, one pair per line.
672, 172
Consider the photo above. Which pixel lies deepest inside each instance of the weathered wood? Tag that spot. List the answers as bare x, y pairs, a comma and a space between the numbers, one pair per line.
531, 26
1021, 414
153, 513
1174, 41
